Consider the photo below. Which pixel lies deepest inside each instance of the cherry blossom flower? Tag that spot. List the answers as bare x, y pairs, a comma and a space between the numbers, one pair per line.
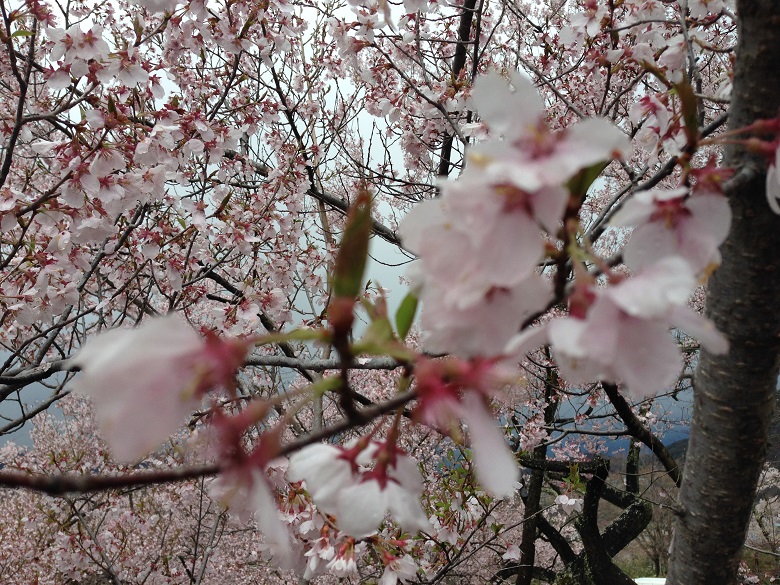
624, 335
247, 493
325, 469
569, 504
700, 8
484, 328
669, 224
145, 381
531, 154
478, 247
480, 242
363, 506
158, 6
512, 553
476, 237
399, 569
343, 564
323, 550
360, 498
450, 391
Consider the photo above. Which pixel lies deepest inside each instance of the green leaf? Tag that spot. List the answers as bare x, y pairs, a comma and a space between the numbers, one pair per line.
404, 316
353, 252
573, 479
379, 339
295, 335
378, 332
392, 349
22, 33
580, 183
324, 385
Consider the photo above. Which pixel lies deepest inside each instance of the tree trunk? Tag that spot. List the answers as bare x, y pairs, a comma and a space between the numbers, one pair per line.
535, 484
458, 63
734, 396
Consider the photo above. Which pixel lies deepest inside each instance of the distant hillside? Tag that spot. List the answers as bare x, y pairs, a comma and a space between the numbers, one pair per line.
678, 448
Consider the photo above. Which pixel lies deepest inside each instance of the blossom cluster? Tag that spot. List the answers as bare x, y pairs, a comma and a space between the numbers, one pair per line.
341, 483
481, 242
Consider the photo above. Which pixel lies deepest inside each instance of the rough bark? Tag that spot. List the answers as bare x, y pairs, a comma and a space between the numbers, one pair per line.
734, 394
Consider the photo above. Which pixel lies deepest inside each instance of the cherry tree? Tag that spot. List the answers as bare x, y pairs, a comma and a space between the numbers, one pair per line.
189, 194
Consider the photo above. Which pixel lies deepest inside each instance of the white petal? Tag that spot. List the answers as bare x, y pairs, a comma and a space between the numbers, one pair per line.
525, 341
649, 360
700, 328
361, 509
405, 508
668, 282
310, 458
494, 462
270, 523
602, 139
773, 189
505, 111
566, 335
407, 473
326, 475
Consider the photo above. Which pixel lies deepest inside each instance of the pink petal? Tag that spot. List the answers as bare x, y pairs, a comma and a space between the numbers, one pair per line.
649, 243
416, 224
270, 523
634, 212
143, 383
711, 213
